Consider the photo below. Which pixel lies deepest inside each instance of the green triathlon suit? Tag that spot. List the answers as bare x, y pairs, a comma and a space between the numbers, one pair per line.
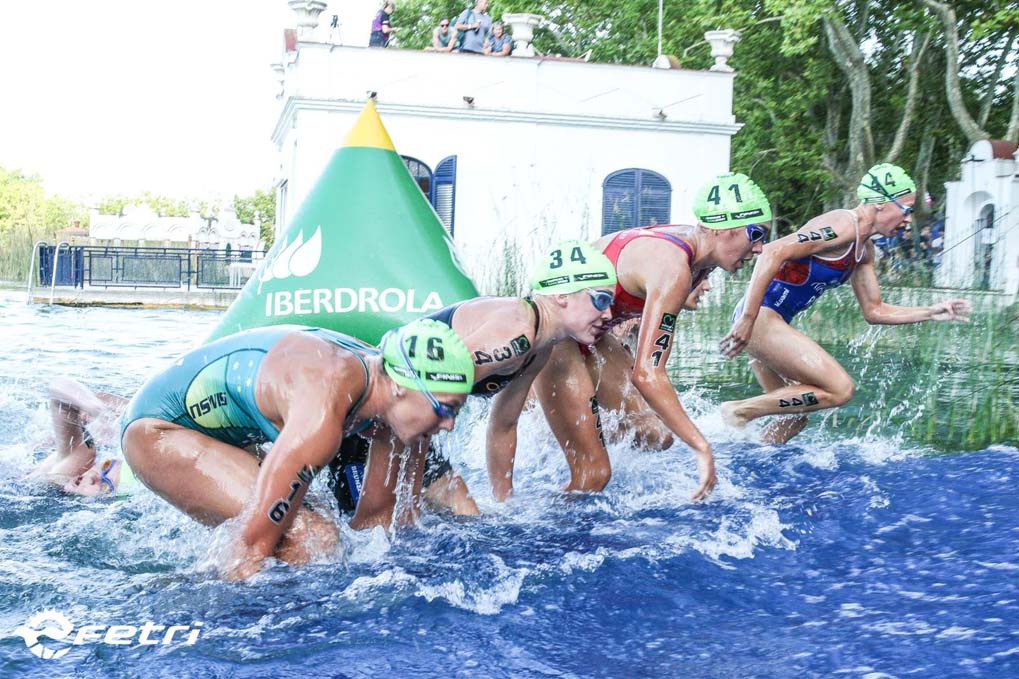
211, 389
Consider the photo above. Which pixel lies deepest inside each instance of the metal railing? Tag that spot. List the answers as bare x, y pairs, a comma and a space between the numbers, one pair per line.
98, 266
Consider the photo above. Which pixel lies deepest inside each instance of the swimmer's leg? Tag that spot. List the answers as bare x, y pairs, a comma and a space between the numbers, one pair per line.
610, 367
780, 429
813, 379
212, 481
443, 488
392, 477
567, 395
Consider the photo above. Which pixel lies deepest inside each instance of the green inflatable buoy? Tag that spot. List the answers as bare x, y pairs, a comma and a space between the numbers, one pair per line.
364, 253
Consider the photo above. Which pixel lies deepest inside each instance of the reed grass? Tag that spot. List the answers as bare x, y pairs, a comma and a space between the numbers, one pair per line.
952, 386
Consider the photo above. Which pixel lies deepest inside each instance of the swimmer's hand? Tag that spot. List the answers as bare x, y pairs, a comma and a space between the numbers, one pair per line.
952, 310
706, 474
738, 337
239, 562
241, 570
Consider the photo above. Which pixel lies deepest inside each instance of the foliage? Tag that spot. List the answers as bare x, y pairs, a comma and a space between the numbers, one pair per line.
27, 214
263, 202
790, 93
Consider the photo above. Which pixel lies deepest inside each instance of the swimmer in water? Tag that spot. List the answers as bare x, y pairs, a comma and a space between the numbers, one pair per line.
510, 340
657, 269
305, 389
84, 420
798, 376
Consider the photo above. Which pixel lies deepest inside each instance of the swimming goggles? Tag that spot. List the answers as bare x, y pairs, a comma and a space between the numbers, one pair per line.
757, 233
103, 475
906, 210
443, 410
601, 299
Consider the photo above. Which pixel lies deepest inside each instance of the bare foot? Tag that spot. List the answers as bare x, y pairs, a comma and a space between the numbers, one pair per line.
731, 417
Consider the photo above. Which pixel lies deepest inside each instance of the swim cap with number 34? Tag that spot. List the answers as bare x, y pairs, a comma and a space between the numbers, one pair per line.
571, 266
730, 200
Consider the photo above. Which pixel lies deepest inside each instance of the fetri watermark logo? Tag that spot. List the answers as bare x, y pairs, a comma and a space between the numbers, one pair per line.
61, 634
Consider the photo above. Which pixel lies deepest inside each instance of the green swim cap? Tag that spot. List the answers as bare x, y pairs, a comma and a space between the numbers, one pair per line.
129, 484
730, 200
883, 183
571, 266
437, 355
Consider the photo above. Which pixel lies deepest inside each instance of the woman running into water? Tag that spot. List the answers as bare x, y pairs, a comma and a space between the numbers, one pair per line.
657, 268
798, 375
510, 340
186, 429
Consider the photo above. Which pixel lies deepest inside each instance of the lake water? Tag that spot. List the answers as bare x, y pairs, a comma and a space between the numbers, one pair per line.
856, 551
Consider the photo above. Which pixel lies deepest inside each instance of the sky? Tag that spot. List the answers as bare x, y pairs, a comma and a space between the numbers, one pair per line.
104, 97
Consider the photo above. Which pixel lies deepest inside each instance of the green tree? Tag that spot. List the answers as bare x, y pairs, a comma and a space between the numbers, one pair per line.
263, 202
27, 214
824, 88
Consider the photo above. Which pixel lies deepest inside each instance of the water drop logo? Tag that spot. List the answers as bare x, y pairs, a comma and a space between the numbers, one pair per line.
48, 623
297, 259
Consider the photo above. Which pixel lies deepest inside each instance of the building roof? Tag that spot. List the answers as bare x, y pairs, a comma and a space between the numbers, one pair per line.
1003, 149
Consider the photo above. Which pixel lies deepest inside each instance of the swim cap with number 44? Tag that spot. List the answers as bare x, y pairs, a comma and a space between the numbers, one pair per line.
730, 200
571, 266
883, 183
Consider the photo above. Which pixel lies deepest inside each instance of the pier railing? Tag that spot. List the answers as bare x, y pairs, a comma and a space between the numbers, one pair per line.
98, 266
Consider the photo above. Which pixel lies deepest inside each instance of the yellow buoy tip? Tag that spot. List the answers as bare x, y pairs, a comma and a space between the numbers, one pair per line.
368, 130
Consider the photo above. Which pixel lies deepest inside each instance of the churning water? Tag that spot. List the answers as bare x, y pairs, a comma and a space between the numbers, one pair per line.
869, 556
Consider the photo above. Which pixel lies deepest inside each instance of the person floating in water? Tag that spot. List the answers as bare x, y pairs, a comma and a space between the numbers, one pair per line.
798, 376
185, 431
83, 420
510, 340
657, 268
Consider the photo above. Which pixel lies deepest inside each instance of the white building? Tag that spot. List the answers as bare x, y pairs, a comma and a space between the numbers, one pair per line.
141, 223
982, 221
518, 150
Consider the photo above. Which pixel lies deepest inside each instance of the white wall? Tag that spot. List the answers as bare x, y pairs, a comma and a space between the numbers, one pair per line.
984, 180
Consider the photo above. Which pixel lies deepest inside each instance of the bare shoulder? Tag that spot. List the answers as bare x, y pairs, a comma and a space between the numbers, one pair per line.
303, 366
493, 319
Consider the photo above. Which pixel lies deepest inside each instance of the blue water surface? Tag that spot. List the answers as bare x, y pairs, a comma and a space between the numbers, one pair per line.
859, 558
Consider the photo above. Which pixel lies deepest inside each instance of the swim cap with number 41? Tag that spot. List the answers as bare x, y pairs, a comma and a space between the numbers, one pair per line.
571, 266
730, 200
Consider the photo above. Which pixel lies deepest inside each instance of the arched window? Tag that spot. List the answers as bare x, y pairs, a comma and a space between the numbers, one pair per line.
422, 174
634, 197
985, 242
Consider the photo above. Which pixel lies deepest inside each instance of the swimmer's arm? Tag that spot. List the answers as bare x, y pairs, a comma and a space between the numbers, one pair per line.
654, 344
306, 443
815, 236
502, 427
876, 312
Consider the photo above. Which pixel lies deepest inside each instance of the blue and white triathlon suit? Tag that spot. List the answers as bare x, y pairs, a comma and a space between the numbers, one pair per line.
800, 282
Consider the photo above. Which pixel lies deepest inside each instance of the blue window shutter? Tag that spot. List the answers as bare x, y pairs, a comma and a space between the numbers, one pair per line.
445, 192
654, 198
422, 175
634, 197
619, 201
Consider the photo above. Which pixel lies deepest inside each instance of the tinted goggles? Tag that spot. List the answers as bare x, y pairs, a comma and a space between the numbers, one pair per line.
757, 233
601, 299
441, 409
